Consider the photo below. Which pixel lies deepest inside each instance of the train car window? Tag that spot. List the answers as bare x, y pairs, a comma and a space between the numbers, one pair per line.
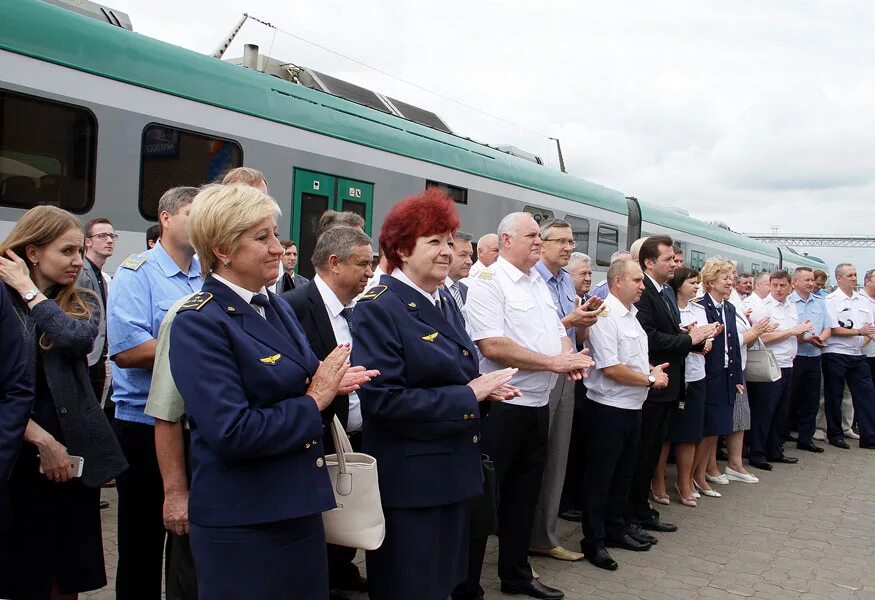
171, 157
540, 214
457, 194
580, 232
754, 268
697, 259
607, 242
47, 152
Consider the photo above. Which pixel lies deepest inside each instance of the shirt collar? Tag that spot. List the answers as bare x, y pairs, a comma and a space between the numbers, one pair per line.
332, 302
169, 266
546, 275
512, 272
448, 283
715, 302
400, 276
615, 305
245, 294
795, 297
658, 286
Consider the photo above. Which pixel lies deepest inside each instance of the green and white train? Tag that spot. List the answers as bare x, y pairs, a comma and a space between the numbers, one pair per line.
100, 120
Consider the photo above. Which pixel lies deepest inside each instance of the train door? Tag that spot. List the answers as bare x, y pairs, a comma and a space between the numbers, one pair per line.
633, 232
313, 194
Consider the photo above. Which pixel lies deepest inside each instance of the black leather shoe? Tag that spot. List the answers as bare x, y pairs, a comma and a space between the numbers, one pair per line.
627, 542
810, 447
867, 446
654, 524
639, 535
570, 515
602, 559
533, 589
760, 464
787, 460
840, 444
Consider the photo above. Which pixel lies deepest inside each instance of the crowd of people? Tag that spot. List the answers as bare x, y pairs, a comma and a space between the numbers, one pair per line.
510, 378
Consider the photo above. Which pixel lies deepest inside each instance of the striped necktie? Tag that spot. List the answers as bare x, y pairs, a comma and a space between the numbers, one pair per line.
457, 294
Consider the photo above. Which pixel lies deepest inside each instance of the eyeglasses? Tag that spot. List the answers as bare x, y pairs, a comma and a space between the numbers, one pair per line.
561, 241
105, 236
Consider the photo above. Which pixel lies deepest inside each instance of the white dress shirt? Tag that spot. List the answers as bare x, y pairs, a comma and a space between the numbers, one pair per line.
245, 294
694, 364
785, 315
477, 268
856, 309
375, 280
743, 327
752, 301
868, 346
615, 339
340, 327
505, 302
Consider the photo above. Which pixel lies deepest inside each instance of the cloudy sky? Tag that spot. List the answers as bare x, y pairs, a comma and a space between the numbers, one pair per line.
759, 114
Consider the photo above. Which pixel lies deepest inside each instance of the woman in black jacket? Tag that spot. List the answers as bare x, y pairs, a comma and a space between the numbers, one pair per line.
55, 541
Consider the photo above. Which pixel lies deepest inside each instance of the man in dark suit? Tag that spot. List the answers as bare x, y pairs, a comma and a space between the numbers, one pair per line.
667, 343
463, 258
289, 280
342, 259
16, 397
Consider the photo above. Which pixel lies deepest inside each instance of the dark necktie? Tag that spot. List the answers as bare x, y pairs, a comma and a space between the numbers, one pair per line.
289, 282
269, 313
668, 296
346, 313
719, 308
439, 304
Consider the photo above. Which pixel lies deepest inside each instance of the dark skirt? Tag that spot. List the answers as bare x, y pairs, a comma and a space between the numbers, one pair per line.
424, 555
685, 426
55, 535
718, 404
286, 560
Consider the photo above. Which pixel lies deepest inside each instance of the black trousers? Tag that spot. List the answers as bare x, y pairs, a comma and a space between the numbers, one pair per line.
342, 571
838, 369
571, 488
768, 417
805, 397
97, 375
515, 438
655, 417
141, 533
180, 576
610, 455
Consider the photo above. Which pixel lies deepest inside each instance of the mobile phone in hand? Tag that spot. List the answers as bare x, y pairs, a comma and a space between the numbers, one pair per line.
77, 462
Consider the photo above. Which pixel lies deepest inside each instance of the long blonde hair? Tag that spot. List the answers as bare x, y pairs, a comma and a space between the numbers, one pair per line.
39, 227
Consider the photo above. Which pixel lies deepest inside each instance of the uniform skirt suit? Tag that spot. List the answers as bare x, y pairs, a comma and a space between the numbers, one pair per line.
722, 369
422, 423
259, 481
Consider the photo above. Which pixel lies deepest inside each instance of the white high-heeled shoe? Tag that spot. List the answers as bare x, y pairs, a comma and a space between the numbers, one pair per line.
709, 493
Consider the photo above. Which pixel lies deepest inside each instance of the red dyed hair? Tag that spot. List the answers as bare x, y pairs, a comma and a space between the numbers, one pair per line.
429, 213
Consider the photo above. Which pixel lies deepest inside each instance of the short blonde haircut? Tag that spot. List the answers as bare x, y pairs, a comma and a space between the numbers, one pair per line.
219, 216
714, 268
244, 175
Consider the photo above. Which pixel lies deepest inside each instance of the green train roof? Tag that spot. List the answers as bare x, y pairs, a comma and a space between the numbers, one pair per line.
56, 35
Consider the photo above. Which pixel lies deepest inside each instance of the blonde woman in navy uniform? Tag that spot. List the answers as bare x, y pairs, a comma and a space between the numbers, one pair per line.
421, 415
253, 393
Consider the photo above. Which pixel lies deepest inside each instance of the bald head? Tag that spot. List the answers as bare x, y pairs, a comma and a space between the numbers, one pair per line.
487, 249
635, 248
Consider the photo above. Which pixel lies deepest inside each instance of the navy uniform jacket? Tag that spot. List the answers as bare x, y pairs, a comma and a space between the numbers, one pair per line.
716, 358
421, 420
255, 436
16, 395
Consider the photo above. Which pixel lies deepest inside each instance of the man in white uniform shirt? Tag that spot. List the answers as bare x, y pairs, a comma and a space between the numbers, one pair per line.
512, 318
487, 253
761, 289
770, 401
869, 292
616, 391
849, 313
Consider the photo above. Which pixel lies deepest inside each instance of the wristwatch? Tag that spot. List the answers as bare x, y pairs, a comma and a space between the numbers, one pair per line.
31, 294
651, 379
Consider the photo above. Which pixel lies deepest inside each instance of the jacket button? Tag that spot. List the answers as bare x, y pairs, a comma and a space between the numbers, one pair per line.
475, 439
467, 417
465, 353
307, 445
62, 410
473, 416
319, 462
307, 381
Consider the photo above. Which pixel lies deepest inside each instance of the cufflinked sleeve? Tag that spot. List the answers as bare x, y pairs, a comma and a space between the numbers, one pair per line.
484, 309
414, 413
203, 362
604, 343
128, 311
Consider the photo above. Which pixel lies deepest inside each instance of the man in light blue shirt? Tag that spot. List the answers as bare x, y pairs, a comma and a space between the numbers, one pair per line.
144, 288
805, 398
557, 245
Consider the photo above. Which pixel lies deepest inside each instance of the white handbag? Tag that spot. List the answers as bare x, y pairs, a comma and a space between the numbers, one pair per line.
358, 520
762, 366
